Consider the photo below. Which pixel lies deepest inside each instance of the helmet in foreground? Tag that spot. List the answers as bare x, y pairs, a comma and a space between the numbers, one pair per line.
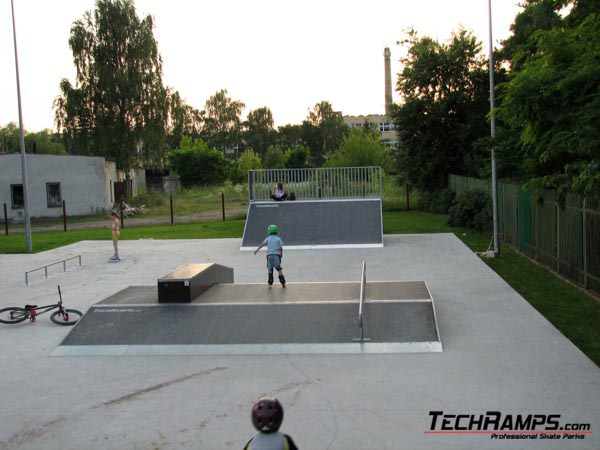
267, 415
272, 229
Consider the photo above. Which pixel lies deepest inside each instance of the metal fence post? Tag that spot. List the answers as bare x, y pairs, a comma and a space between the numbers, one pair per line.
5, 220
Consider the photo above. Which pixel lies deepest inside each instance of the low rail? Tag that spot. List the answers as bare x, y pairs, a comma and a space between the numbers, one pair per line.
363, 286
63, 261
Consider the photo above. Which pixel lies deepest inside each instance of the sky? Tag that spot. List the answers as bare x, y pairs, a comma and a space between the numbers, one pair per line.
287, 55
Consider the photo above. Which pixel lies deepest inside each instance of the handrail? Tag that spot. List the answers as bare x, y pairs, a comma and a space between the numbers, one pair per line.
363, 286
63, 261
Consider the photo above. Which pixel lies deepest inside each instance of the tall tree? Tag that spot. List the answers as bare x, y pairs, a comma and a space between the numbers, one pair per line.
183, 120
117, 106
323, 131
222, 123
553, 105
444, 87
360, 148
259, 133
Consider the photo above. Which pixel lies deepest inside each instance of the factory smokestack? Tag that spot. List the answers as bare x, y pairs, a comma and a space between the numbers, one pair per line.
388, 80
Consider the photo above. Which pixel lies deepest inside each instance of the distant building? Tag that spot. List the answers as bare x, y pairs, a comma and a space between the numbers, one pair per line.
86, 184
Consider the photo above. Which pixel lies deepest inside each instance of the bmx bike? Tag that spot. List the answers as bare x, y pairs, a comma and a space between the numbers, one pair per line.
63, 316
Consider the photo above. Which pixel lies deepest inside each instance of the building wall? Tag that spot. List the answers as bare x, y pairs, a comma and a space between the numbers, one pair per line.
385, 125
82, 180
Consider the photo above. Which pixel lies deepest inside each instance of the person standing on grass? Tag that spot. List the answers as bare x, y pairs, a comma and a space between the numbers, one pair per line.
274, 254
114, 226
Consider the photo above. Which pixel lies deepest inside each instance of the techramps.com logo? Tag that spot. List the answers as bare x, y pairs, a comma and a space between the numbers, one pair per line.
501, 426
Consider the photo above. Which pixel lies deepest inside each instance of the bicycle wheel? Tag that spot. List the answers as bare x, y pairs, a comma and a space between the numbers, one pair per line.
13, 315
70, 317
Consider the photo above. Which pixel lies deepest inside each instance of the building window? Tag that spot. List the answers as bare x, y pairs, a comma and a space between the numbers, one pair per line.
53, 195
16, 195
385, 126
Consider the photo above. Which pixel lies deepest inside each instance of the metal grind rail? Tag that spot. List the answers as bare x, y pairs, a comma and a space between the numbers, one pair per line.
363, 286
63, 261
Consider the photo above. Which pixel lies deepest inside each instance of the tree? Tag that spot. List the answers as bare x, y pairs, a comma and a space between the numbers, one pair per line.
9, 138
289, 136
259, 133
554, 104
197, 164
42, 142
247, 161
297, 158
445, 92
360, 148
536, 15
274, 159
323, 130
183, 120
222, 122
117, 106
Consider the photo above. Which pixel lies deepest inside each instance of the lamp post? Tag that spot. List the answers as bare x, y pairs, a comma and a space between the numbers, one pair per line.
22, 139
493, 134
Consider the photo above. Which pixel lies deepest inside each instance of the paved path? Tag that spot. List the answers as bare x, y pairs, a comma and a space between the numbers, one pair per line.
499, 355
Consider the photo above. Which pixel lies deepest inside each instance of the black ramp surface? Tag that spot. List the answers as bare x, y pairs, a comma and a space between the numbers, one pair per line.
208, 324
316, 223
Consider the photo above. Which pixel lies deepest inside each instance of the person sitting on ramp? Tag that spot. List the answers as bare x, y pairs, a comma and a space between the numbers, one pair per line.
274, 254
267, 416
279, 193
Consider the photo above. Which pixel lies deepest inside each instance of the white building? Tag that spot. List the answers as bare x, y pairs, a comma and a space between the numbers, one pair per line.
84, 183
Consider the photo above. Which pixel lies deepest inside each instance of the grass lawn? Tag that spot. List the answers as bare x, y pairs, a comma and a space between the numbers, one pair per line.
574, 313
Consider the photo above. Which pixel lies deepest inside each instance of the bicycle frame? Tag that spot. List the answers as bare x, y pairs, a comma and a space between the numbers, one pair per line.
34, 312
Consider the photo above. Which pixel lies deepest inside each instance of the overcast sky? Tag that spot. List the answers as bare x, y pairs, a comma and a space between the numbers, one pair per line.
285, 54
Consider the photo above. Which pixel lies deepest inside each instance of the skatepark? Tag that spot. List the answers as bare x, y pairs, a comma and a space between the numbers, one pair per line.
158, 387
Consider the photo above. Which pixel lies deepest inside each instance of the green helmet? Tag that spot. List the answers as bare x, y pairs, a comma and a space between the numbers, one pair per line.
272, 229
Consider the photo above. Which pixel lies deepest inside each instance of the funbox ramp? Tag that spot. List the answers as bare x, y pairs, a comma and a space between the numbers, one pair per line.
303, 318
349, 223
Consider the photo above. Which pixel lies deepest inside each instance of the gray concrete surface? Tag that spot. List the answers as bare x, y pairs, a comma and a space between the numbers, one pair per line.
499, 354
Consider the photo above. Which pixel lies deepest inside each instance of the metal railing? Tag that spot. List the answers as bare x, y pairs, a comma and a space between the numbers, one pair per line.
363, 287
63, 261
317, 183
562, 235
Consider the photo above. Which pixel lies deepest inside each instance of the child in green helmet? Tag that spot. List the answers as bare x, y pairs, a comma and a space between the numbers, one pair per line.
274, 246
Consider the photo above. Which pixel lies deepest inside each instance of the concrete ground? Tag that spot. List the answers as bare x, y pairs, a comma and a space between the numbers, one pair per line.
499, 355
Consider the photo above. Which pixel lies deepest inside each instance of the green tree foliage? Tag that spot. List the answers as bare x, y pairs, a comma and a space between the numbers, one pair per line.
536, 15
249, 160
117, 106
552, 104
274, 159
222, 123
297, 158
360, 148
445, 93
289, 136
197, 164
259, 133
42, 142
183, 120
323, 131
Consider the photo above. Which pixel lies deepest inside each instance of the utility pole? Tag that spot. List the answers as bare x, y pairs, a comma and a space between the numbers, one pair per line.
22, 139
493, 134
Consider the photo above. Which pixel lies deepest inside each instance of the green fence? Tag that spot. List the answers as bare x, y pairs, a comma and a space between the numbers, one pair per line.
564, 237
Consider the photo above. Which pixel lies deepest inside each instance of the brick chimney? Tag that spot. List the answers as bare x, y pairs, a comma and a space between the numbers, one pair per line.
388, 80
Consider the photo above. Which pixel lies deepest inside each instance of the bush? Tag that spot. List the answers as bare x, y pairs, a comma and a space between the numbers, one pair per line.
473, 209
438, 202
197, 165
